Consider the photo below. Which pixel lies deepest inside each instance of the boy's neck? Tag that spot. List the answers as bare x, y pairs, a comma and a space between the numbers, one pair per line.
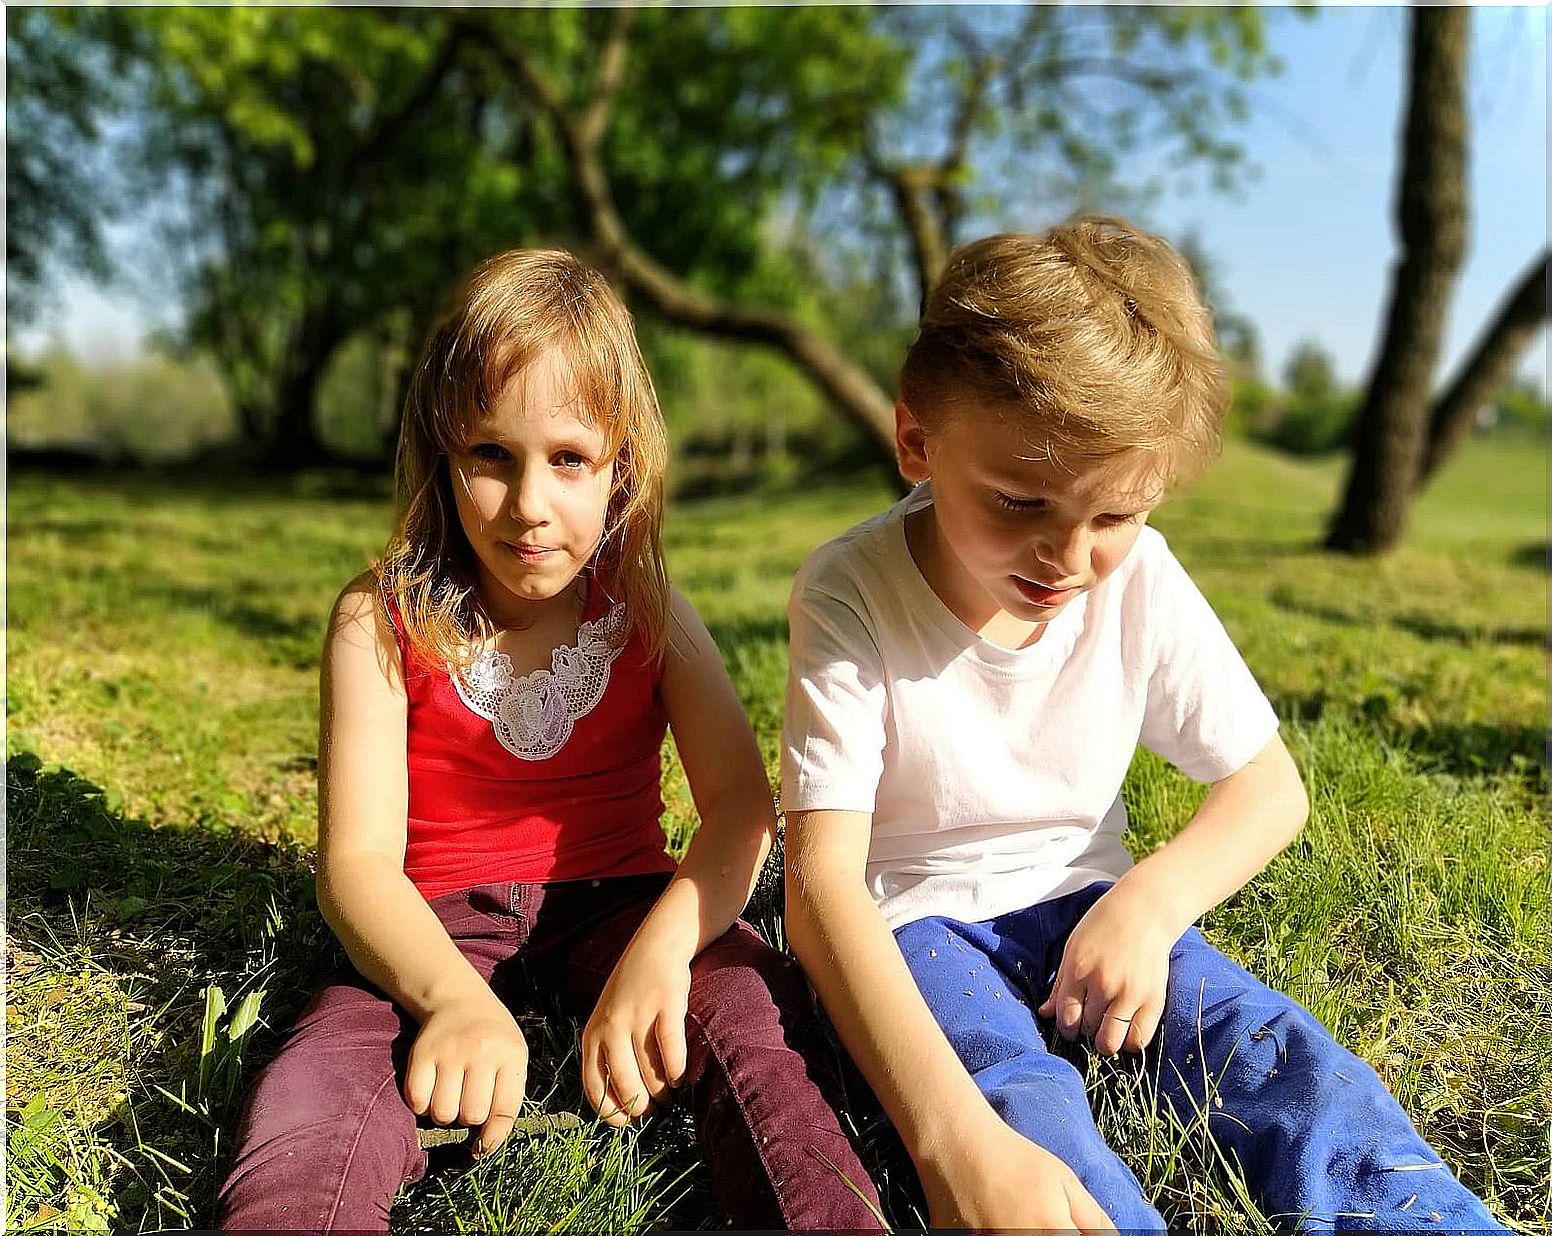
961, 595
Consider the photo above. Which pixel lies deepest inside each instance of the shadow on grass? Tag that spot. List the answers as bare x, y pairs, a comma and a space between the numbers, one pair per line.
1414, 624
161, 914
1466, 749
1537, 555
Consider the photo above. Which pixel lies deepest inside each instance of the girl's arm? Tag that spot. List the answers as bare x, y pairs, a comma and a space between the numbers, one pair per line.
977, 1171
1115, 967
389, 932
633, 1047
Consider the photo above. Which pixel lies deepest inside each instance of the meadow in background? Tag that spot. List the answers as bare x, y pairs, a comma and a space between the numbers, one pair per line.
163, 639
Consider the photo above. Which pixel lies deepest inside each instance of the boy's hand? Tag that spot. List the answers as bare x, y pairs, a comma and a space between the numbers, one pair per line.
1002, 1180
633, 1047
1114, 973
469, 1064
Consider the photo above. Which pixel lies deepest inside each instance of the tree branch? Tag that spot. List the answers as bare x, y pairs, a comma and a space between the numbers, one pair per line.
1488, 367
848, 386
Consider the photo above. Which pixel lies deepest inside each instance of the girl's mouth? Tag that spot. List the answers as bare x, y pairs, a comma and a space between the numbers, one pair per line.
528, 553
1039, 594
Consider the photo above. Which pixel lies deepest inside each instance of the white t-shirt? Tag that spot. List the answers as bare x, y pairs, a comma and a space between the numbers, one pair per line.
993, 775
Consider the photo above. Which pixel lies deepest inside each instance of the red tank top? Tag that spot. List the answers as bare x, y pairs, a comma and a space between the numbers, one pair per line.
552, 776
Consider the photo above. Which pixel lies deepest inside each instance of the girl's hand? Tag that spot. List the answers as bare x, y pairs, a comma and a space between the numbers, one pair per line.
1001, 1180
1114, 973
469, 1064
633, 1047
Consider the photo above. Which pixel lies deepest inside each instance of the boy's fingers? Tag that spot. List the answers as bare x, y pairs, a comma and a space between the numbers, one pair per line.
1086, 1212
1069, 1012
479, 1084
1114, 1027
594, 1082
1145, 1025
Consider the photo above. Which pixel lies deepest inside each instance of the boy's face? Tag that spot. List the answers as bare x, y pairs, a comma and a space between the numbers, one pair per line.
1014, 528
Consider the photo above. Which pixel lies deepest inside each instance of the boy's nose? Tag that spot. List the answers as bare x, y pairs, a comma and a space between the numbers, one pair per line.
1065, 550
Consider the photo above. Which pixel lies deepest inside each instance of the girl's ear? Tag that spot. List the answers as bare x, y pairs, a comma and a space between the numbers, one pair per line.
910, 445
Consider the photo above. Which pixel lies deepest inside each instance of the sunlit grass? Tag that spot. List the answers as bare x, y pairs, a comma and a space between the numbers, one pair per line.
161, 694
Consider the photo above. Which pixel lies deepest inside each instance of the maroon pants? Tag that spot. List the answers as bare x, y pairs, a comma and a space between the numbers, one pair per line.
327, 1140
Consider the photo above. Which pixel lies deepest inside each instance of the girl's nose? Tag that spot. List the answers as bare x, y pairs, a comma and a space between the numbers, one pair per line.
528, 503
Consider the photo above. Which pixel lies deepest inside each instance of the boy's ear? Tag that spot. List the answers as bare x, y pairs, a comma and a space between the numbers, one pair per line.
910, 445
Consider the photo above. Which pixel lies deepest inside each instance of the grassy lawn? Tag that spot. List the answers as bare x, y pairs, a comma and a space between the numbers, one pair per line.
162, 649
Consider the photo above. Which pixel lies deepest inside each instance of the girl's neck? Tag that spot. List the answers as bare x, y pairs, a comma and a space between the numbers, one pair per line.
565, 608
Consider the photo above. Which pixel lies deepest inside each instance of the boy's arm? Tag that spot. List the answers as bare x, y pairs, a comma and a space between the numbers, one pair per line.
633, 1047
389, 932
977, 1172
1115, 966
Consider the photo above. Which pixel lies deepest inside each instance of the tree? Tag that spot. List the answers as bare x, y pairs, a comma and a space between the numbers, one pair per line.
1487, 368
1019, 90
352, 161
61, 69
1431, 213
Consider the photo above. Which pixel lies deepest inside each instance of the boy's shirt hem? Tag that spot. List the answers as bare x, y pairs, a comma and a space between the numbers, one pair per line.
993, 775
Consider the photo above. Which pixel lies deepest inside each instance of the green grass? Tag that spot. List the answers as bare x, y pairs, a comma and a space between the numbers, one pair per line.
161, 705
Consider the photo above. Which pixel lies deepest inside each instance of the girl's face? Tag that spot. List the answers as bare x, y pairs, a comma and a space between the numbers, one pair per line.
532, 486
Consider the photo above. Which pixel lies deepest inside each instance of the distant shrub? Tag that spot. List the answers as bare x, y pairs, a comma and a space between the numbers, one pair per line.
148, 409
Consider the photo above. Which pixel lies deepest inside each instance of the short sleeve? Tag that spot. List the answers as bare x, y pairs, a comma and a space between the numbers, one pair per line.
1205, 713
833, 735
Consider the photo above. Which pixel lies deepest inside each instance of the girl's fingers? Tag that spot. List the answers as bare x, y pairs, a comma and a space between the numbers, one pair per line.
505, 1103
595, 1083
625, 1094
672, 1047
447, 1095
649, 1060
419, 1082
479, 1084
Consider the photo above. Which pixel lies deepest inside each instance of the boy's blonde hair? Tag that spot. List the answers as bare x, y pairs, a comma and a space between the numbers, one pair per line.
1094, 331
509, 310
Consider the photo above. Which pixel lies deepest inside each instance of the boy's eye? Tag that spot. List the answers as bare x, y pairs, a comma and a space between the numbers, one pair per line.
1116, 518
488, 452
1009, 502
570, 461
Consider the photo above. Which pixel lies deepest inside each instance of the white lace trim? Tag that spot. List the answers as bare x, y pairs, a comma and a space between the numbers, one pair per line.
535, 714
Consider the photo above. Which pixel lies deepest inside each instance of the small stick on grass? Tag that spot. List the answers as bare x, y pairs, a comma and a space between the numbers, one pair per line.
523, 1126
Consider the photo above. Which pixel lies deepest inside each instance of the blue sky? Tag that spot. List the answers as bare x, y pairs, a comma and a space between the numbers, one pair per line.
1304, 249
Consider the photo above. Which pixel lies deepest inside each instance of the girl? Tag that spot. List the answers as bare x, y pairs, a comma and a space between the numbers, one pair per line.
494, 699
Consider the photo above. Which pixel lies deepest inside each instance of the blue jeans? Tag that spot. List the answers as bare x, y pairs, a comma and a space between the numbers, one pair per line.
1321, 1142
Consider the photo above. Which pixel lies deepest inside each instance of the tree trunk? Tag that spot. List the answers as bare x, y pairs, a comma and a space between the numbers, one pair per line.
1489, 366
295, 442
1431, 211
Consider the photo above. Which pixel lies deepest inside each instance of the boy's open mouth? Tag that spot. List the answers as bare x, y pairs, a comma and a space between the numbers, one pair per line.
1039, 594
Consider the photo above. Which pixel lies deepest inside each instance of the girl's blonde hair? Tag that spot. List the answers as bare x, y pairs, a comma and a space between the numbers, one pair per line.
509, 310
1093, 330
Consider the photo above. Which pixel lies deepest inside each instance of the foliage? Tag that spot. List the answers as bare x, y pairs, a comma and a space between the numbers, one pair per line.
163, 639
1315, 415
1521, 408
61, 79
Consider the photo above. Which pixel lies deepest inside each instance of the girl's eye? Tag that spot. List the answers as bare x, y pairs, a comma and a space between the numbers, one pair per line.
488, 452
1010, 503
1117, 519
570, 461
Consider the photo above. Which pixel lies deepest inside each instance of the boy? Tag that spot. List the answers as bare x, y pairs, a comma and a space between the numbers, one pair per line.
971, 673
